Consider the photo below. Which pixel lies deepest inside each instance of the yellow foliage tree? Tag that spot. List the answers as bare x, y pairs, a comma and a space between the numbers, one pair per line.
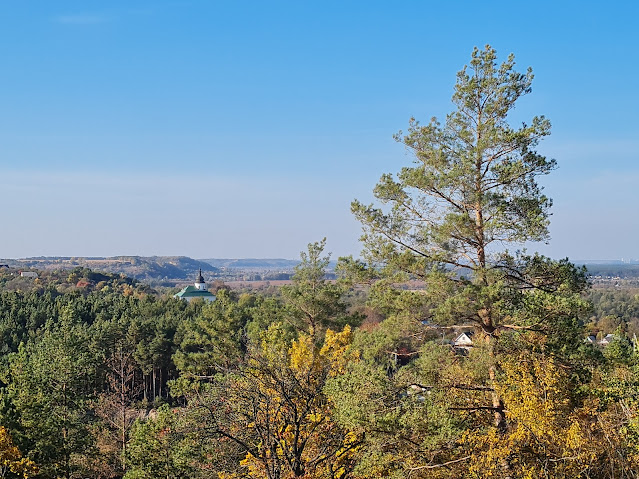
549, 434
272, 412
304, 442
11, 459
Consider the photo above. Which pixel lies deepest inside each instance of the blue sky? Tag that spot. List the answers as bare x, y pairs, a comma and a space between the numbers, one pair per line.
244, 128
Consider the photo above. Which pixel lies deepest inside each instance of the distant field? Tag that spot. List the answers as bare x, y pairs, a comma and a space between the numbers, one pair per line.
625, 271
256, 284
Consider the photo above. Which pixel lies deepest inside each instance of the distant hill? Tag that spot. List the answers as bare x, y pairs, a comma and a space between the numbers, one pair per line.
253, 264
258, 264
76, 279
144, 268
165, 270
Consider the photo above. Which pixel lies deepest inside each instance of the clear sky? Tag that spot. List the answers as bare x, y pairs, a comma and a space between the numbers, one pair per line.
244, 128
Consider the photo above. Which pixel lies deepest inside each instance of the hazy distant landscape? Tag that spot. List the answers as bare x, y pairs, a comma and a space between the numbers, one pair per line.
169, 270
153, 268
181, 268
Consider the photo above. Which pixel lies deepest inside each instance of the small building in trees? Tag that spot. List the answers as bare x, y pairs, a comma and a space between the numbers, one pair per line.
463, 340
198, 290
609, 338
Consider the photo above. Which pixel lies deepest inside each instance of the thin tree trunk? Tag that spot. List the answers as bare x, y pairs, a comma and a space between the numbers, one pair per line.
499, 416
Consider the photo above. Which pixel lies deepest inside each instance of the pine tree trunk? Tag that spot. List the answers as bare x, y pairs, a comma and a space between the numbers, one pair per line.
499, 416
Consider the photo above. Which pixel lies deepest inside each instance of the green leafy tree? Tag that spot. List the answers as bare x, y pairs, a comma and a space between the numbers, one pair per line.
405, 416
263, 312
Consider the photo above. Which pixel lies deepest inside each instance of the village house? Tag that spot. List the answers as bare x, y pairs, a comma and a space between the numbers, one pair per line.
464, 340
605, 341
609, 338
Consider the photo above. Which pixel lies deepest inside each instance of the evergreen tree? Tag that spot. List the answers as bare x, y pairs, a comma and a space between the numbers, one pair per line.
52, 383
314, 302
446, 221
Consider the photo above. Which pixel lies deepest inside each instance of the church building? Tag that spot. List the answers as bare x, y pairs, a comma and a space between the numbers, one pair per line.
198, 291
